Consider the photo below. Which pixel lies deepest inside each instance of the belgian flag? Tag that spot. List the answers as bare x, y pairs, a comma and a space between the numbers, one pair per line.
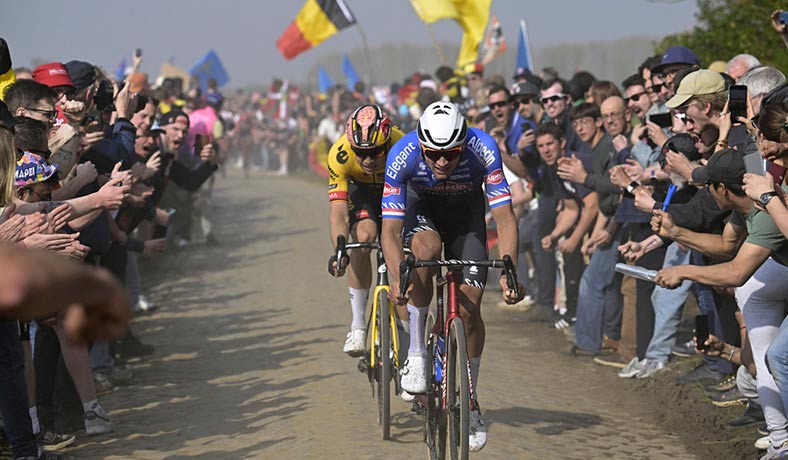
317, 20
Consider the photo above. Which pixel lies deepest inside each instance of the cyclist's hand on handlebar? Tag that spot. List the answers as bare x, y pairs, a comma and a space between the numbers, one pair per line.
335, 270
509, 295
394, 293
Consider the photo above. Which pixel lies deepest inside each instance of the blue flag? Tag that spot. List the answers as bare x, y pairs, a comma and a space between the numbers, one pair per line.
524, 60
120, 72
350, 73
209, 67
324, 82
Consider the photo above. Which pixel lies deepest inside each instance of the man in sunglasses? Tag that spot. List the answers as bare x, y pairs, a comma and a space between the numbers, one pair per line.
356, 167
433, 201
556, 100
28, 98
508, 124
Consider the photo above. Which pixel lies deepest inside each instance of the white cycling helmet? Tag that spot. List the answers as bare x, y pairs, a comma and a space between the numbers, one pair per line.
442, 126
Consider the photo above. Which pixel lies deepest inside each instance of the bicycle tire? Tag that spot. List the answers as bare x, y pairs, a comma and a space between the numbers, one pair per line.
384, 350
434, 423
458, 392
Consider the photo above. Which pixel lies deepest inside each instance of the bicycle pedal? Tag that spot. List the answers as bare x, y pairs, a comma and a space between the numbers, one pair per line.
418, 408
441, 281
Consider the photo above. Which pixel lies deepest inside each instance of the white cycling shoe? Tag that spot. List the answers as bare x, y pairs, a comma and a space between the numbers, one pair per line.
477, 432
413, 376
354, 344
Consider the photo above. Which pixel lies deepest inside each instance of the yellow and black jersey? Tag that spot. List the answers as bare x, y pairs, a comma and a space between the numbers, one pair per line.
342, 166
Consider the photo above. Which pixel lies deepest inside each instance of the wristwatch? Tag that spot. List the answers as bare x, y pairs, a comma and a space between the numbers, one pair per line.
763, 200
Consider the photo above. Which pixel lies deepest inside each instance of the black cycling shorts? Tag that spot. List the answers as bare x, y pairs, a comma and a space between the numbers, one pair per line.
461, 228
363, 203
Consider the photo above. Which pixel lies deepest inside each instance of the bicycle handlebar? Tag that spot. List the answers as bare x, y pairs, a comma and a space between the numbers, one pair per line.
341, 251
410, 263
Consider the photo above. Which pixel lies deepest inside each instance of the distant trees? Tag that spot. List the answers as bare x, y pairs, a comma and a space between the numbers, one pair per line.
726, 28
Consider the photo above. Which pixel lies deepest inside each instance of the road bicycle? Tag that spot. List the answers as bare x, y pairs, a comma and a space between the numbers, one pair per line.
380, 361
450, 395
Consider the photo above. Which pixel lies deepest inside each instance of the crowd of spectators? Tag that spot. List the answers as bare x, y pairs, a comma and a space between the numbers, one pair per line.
102, 171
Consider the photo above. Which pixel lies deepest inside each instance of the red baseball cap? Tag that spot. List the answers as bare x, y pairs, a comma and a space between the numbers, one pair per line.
52, 74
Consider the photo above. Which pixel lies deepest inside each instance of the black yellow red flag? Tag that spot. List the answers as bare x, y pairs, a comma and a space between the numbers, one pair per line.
317, 20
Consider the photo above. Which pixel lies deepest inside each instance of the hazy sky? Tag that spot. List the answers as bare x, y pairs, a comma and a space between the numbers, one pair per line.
244, 32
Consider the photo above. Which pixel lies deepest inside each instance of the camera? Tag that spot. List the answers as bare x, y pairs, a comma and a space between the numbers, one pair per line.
105, 96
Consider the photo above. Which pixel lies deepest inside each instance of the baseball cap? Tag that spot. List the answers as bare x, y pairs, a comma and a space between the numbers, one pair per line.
524, 89
32, 169
725, 166
52, 74
82, 73
698, 82
156, 127
676, 55
170, 117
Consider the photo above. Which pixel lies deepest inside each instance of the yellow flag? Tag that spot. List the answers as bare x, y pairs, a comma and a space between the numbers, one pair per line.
473, 18
434, 10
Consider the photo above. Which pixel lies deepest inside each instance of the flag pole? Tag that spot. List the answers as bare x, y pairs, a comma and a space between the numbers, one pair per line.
528, 45
370, 73
441, 56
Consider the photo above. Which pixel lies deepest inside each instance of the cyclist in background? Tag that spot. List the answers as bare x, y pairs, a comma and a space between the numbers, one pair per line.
356, 166
432, 196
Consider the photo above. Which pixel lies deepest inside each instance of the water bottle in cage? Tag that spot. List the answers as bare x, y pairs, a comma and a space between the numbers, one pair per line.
439, 364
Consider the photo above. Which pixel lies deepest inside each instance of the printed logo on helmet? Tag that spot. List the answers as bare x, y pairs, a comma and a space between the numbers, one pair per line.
495, 177
388, 190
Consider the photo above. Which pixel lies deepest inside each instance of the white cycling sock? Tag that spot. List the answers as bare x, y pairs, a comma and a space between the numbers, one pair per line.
34, 419
358, 304
418, 319
474, 365
403, 337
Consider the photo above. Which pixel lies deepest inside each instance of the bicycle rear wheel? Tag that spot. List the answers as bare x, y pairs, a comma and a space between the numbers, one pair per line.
384, 361
458, 392
434, 421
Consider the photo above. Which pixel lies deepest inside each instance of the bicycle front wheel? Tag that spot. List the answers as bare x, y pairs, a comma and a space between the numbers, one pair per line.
434, 421
458, 392
384, 360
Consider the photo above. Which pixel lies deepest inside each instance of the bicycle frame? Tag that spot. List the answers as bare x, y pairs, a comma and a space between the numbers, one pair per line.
381, 285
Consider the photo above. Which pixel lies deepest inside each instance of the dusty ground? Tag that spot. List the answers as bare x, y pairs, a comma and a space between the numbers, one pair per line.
248, 364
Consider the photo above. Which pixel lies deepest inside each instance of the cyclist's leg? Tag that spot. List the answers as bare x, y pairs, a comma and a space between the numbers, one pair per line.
423, 239
363, 228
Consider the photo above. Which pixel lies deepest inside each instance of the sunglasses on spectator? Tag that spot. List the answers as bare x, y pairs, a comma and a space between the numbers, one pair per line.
499, 104
435, 155
40, 197
51, 114
60, 91
523, 100
635, 97
655, 88
553, 98
371, 153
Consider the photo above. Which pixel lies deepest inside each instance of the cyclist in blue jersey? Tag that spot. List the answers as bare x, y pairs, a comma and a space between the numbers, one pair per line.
433, 201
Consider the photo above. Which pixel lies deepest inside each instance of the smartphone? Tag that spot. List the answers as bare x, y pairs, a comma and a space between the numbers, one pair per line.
199, 142
784, 17
138, 52
663, 120
737, 102
170, 211
701, 330
754, 163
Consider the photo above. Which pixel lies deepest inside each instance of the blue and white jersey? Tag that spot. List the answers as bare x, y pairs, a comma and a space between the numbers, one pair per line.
480, 163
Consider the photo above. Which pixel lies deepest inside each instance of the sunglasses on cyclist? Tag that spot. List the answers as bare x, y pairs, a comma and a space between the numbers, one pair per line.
635, 97
371, 153
553, 98
435, 155
51, 114
499, 104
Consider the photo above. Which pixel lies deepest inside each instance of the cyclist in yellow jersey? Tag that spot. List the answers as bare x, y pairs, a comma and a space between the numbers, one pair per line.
356, 168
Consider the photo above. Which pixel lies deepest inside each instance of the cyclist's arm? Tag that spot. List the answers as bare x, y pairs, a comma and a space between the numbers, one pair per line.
508, 236
338, 219
391, 240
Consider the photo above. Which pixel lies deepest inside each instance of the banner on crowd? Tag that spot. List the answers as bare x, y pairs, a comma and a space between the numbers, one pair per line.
471, 15
494, 42
524, 60
350, 73
317, 20
324, 81
209, 67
